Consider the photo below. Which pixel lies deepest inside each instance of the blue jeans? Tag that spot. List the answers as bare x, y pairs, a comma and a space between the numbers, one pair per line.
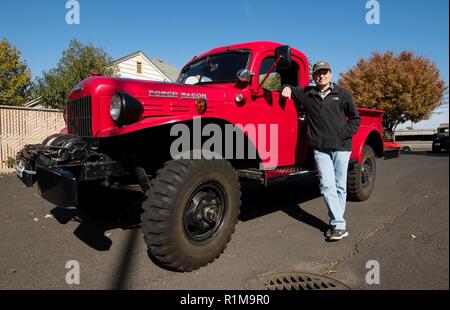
332, 167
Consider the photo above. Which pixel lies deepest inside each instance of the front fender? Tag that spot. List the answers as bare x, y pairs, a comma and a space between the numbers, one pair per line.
143, 124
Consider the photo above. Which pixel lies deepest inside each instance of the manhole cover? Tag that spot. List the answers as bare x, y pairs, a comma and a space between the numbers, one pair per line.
295, 281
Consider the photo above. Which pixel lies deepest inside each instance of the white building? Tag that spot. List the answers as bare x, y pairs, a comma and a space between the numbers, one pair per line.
134, 66
138, 66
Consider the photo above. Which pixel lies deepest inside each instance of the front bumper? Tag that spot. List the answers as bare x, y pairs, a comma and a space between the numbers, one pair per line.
57, 186
60, 185
61, 162
27, 176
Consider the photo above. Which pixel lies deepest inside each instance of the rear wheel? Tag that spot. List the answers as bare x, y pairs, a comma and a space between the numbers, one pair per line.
361, 178
406, 149
190, 212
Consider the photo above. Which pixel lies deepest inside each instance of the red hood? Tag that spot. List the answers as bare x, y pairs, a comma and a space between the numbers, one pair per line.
159, 99
146, 91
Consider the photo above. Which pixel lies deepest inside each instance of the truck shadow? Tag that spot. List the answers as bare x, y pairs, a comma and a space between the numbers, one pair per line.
109, 210
258, 200
121, 209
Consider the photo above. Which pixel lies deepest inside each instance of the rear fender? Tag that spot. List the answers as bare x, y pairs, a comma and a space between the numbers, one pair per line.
370, 136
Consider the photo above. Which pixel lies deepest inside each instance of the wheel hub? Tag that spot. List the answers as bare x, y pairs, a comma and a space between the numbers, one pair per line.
366, 173
211, 211
204, 212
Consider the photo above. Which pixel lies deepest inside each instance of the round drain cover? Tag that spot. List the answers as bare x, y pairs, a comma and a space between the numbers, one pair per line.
295, 281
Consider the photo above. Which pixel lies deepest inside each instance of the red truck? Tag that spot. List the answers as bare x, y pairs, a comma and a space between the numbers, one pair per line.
122, 131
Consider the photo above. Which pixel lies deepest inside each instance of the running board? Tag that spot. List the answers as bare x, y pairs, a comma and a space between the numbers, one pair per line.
275, 176
252, 174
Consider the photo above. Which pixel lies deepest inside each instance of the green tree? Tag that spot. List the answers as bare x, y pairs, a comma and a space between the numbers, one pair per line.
273, 82
78, 62
14, 76
406, 87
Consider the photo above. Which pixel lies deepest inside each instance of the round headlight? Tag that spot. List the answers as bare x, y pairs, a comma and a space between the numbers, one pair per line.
116, 107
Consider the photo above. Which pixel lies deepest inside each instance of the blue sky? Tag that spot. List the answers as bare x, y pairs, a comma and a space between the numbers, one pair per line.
175, 31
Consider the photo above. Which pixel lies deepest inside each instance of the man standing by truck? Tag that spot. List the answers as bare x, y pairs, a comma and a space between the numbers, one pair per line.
332, 122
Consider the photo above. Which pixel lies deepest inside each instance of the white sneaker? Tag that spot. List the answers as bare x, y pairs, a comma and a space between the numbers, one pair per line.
338, 234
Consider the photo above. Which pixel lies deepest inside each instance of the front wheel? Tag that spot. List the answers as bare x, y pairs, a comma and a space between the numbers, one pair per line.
190, 212
361, 178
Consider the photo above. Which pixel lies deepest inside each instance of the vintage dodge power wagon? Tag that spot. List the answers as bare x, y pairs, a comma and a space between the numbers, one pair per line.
188, 144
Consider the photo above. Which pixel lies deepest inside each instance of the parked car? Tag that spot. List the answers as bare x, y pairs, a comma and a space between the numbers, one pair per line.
440, 142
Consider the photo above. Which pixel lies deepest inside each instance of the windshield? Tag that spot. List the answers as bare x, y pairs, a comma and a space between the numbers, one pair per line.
220, 68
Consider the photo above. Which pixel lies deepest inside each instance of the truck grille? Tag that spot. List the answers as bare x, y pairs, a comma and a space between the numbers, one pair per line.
79, 117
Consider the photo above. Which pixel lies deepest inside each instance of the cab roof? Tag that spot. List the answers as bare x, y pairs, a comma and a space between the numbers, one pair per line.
256, 47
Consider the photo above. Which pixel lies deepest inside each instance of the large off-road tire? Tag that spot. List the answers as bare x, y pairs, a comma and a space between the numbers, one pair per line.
190, 212
361, 178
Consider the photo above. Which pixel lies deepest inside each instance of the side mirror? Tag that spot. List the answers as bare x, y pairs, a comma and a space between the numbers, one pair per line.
284, 52
244, 75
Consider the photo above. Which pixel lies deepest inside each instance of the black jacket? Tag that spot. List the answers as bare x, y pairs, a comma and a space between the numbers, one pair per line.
328, 129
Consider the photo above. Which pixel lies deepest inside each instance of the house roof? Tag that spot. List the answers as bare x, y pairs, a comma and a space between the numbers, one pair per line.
126, 57
170, 72
33, 103
167, 69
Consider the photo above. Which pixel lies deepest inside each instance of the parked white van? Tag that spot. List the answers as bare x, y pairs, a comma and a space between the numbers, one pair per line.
415, 140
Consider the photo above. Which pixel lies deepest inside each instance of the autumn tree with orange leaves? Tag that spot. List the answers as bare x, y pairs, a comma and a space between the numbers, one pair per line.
406, 87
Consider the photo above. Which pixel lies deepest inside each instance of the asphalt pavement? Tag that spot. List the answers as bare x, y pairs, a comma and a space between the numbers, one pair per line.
403, 227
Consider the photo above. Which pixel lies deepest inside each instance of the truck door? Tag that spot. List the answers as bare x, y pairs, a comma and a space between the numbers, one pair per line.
290, 119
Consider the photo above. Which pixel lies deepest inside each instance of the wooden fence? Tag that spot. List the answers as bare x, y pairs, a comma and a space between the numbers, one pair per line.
20, 126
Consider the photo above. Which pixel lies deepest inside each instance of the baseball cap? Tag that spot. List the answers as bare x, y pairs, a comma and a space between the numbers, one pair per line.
321, 65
